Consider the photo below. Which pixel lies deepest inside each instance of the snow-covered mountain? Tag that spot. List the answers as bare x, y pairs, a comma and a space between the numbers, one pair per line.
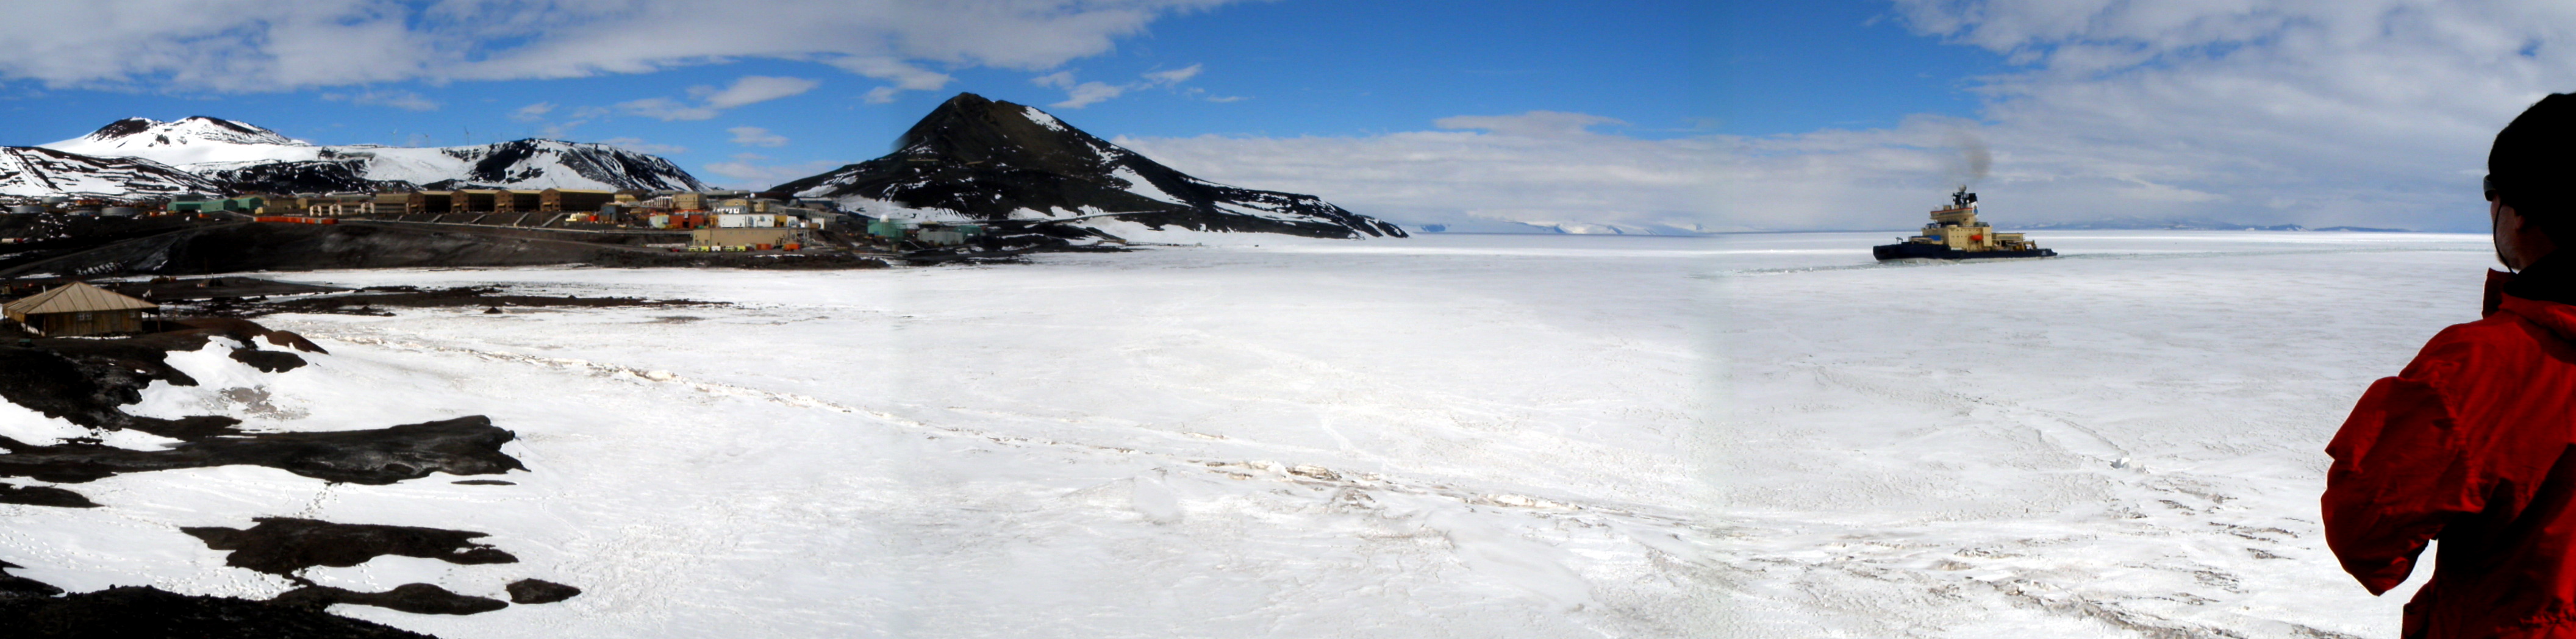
977, 159
246, 157
27, 171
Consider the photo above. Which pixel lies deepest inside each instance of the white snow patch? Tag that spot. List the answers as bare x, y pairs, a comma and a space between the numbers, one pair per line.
135, 440
883, 209
1138, 185
1044, 120
26, 425
228, 387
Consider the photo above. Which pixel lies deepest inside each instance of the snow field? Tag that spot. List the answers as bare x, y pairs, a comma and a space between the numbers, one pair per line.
1461, 437
2126, 441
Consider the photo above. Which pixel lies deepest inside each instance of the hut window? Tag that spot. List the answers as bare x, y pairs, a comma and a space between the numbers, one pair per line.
83, 316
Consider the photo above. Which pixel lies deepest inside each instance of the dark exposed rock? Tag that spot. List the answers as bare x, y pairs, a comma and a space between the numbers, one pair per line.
462, 296
186, 428
248, 332
253, 246
85, 381
234, 247
538, 591
285, 545
461, 446
133, 611
421, 599
50, 383
484, 482
44, 496
13, 586
267, 361
987, 159
306, 176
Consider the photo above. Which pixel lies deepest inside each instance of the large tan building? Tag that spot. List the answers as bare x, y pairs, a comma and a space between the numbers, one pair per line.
563, 200
773, 237
78, 309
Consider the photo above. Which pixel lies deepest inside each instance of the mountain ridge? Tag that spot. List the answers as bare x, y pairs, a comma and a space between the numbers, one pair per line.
975, 159
244, 157
33, 172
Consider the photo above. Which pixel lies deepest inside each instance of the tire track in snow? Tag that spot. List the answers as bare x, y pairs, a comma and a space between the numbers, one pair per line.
1805, 558
1265, 470
2085, 442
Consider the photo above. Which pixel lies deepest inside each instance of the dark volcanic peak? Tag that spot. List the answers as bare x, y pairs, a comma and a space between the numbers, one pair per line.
122, 128
987, 160
236, 126
131, 132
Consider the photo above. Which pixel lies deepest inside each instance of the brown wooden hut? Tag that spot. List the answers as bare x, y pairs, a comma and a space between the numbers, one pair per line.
78, 309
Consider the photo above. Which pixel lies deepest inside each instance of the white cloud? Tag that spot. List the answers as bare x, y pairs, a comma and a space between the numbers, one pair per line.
753, 89
1454, 177
906, 77
756, 136
264, 45
1059, 79
1202, 94
1175, 76
2368, 112
667, 109
1531, 124
749, 89
746, 171
640, 146
537, 114
404, 100
1078, 95
1088, 93
533, 113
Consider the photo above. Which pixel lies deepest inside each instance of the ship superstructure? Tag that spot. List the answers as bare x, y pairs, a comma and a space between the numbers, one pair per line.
1955, 233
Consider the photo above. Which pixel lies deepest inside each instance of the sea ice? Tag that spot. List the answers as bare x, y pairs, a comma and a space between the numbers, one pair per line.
1761, 435
1469, 437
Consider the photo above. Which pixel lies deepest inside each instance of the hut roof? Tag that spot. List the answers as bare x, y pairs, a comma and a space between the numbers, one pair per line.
75, 297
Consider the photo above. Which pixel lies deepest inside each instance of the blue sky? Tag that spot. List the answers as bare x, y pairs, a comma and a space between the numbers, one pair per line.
1795, 67
1643, 116
1264, 69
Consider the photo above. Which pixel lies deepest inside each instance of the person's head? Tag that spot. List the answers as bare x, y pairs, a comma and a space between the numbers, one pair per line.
2531, 181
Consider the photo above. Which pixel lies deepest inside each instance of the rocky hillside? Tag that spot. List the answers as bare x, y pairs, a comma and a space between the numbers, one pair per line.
244, 157
978, 159
27, 171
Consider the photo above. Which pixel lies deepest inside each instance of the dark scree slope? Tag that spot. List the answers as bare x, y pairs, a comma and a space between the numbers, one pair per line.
987, 160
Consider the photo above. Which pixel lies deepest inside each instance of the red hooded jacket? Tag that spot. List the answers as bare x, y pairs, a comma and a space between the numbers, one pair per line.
2469, 444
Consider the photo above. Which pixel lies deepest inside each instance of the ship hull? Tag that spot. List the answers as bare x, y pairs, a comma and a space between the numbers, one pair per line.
1913, 250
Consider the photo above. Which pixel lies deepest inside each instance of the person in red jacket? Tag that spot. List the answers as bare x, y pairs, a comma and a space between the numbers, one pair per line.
2471, 443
